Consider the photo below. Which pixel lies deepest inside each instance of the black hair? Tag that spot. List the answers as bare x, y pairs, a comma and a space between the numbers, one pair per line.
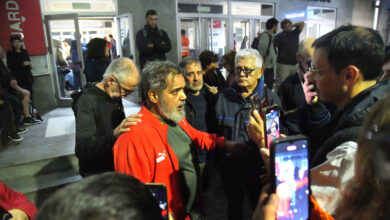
207, 57
270, 23
183, 32
387, 57
284, 22
103, 196
96, 49
351, 45
150, 12
110, 35
12, 38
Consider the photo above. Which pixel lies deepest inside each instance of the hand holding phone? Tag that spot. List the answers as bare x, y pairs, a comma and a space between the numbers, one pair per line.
255, 129
311, 95
272, 123
290, 176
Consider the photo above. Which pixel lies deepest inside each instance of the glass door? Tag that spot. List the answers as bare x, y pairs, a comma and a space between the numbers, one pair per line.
241, 33
191, 27
66, 54
125, 27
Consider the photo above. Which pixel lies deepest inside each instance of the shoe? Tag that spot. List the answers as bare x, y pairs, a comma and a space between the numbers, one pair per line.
31, 121
21, 130
14, 137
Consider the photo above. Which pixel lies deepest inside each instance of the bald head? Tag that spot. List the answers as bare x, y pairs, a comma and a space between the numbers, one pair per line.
122, 69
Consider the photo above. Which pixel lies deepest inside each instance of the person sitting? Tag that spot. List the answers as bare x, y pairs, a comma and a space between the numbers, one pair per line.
104, 196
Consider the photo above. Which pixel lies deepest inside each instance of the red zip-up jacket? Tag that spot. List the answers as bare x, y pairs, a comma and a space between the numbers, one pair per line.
10, 199
144, 152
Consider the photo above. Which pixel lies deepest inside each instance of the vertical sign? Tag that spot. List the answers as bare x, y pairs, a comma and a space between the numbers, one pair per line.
22, 18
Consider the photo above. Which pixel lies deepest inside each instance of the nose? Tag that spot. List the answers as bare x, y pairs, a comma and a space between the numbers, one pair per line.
183, 96
196, 77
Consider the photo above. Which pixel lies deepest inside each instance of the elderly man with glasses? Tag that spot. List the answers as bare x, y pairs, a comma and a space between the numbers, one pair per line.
241, 175
100, 118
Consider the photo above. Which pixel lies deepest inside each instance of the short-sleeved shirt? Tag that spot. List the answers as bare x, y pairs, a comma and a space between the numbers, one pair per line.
287, 44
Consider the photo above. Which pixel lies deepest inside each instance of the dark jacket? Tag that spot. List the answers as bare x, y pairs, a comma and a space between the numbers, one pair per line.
346, 123
232, 112
97, 115
5, 79
210, 112
21, 73
215, 78
155, 36
94, 70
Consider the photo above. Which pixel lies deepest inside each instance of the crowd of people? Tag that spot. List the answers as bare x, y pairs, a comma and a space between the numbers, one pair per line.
193, 119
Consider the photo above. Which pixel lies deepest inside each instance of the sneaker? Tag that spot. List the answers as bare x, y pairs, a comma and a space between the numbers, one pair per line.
31, 121
14, 137
21, 130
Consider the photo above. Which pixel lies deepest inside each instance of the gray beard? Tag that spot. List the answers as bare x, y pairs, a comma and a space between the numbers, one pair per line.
171, 115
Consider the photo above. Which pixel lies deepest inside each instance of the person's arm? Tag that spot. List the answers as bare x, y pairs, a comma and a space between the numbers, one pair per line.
163, 45
329, 178
134, 155
263, 44
16, 203
144, 47
60, 57
299, 25
15, 86
266, 206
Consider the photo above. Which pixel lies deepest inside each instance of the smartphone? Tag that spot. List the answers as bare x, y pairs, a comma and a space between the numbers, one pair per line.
290, 176
159, 192
255, 102
271, 114
4, 214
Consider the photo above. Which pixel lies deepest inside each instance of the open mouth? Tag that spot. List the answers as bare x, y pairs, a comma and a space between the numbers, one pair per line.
180, 107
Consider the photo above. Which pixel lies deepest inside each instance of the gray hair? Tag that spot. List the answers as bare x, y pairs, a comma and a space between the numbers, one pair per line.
119, 68
188, 60
250, 53
154, 76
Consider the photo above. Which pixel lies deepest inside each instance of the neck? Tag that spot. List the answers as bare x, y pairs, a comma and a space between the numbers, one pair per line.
153, 109
246, 91
18, 49
356, 90
192, 92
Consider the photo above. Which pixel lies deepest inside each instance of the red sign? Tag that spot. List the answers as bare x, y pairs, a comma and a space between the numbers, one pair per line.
216, 23
22, 18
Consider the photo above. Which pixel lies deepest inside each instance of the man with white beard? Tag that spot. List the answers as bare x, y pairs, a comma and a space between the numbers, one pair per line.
161, 148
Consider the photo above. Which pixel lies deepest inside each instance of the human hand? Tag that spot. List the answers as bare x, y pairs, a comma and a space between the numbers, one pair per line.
311, 95
255, 129
150, 45
264, 152
26, 63
25, 92
18, 214
124, 125
212, 89
266, 206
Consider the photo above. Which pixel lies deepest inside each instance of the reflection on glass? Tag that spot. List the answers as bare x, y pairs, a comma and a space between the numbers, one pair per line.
241, 34
246, 8
191, 27
217, 36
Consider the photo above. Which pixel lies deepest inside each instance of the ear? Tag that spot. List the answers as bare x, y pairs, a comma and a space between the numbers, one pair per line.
111, 80
297, 56
259, 73
351, 75
153, 96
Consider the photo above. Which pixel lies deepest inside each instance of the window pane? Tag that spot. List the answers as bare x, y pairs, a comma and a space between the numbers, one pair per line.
267, 10
246, 8
91, 5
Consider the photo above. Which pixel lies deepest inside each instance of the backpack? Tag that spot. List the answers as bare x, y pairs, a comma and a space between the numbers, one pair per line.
255, 43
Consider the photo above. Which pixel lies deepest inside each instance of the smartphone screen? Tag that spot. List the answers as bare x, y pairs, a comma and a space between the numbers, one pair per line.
159, 191
291, 169
272, 125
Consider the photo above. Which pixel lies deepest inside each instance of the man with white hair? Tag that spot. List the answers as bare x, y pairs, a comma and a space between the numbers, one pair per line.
100, 118
232, 110
161, 149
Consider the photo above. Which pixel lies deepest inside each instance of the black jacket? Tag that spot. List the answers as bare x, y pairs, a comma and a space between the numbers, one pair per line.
154, 36
210, 112
346, 123
21, 73
215, 78
97, 115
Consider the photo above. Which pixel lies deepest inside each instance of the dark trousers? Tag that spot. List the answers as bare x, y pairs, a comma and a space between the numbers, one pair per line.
16, 108
240, 177
269, 77
11, 112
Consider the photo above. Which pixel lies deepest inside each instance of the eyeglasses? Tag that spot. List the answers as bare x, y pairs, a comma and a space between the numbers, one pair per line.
126, 91
312, 69
247, 72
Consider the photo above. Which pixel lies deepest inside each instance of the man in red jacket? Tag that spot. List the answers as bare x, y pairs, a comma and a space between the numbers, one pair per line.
160, 149
16, 204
